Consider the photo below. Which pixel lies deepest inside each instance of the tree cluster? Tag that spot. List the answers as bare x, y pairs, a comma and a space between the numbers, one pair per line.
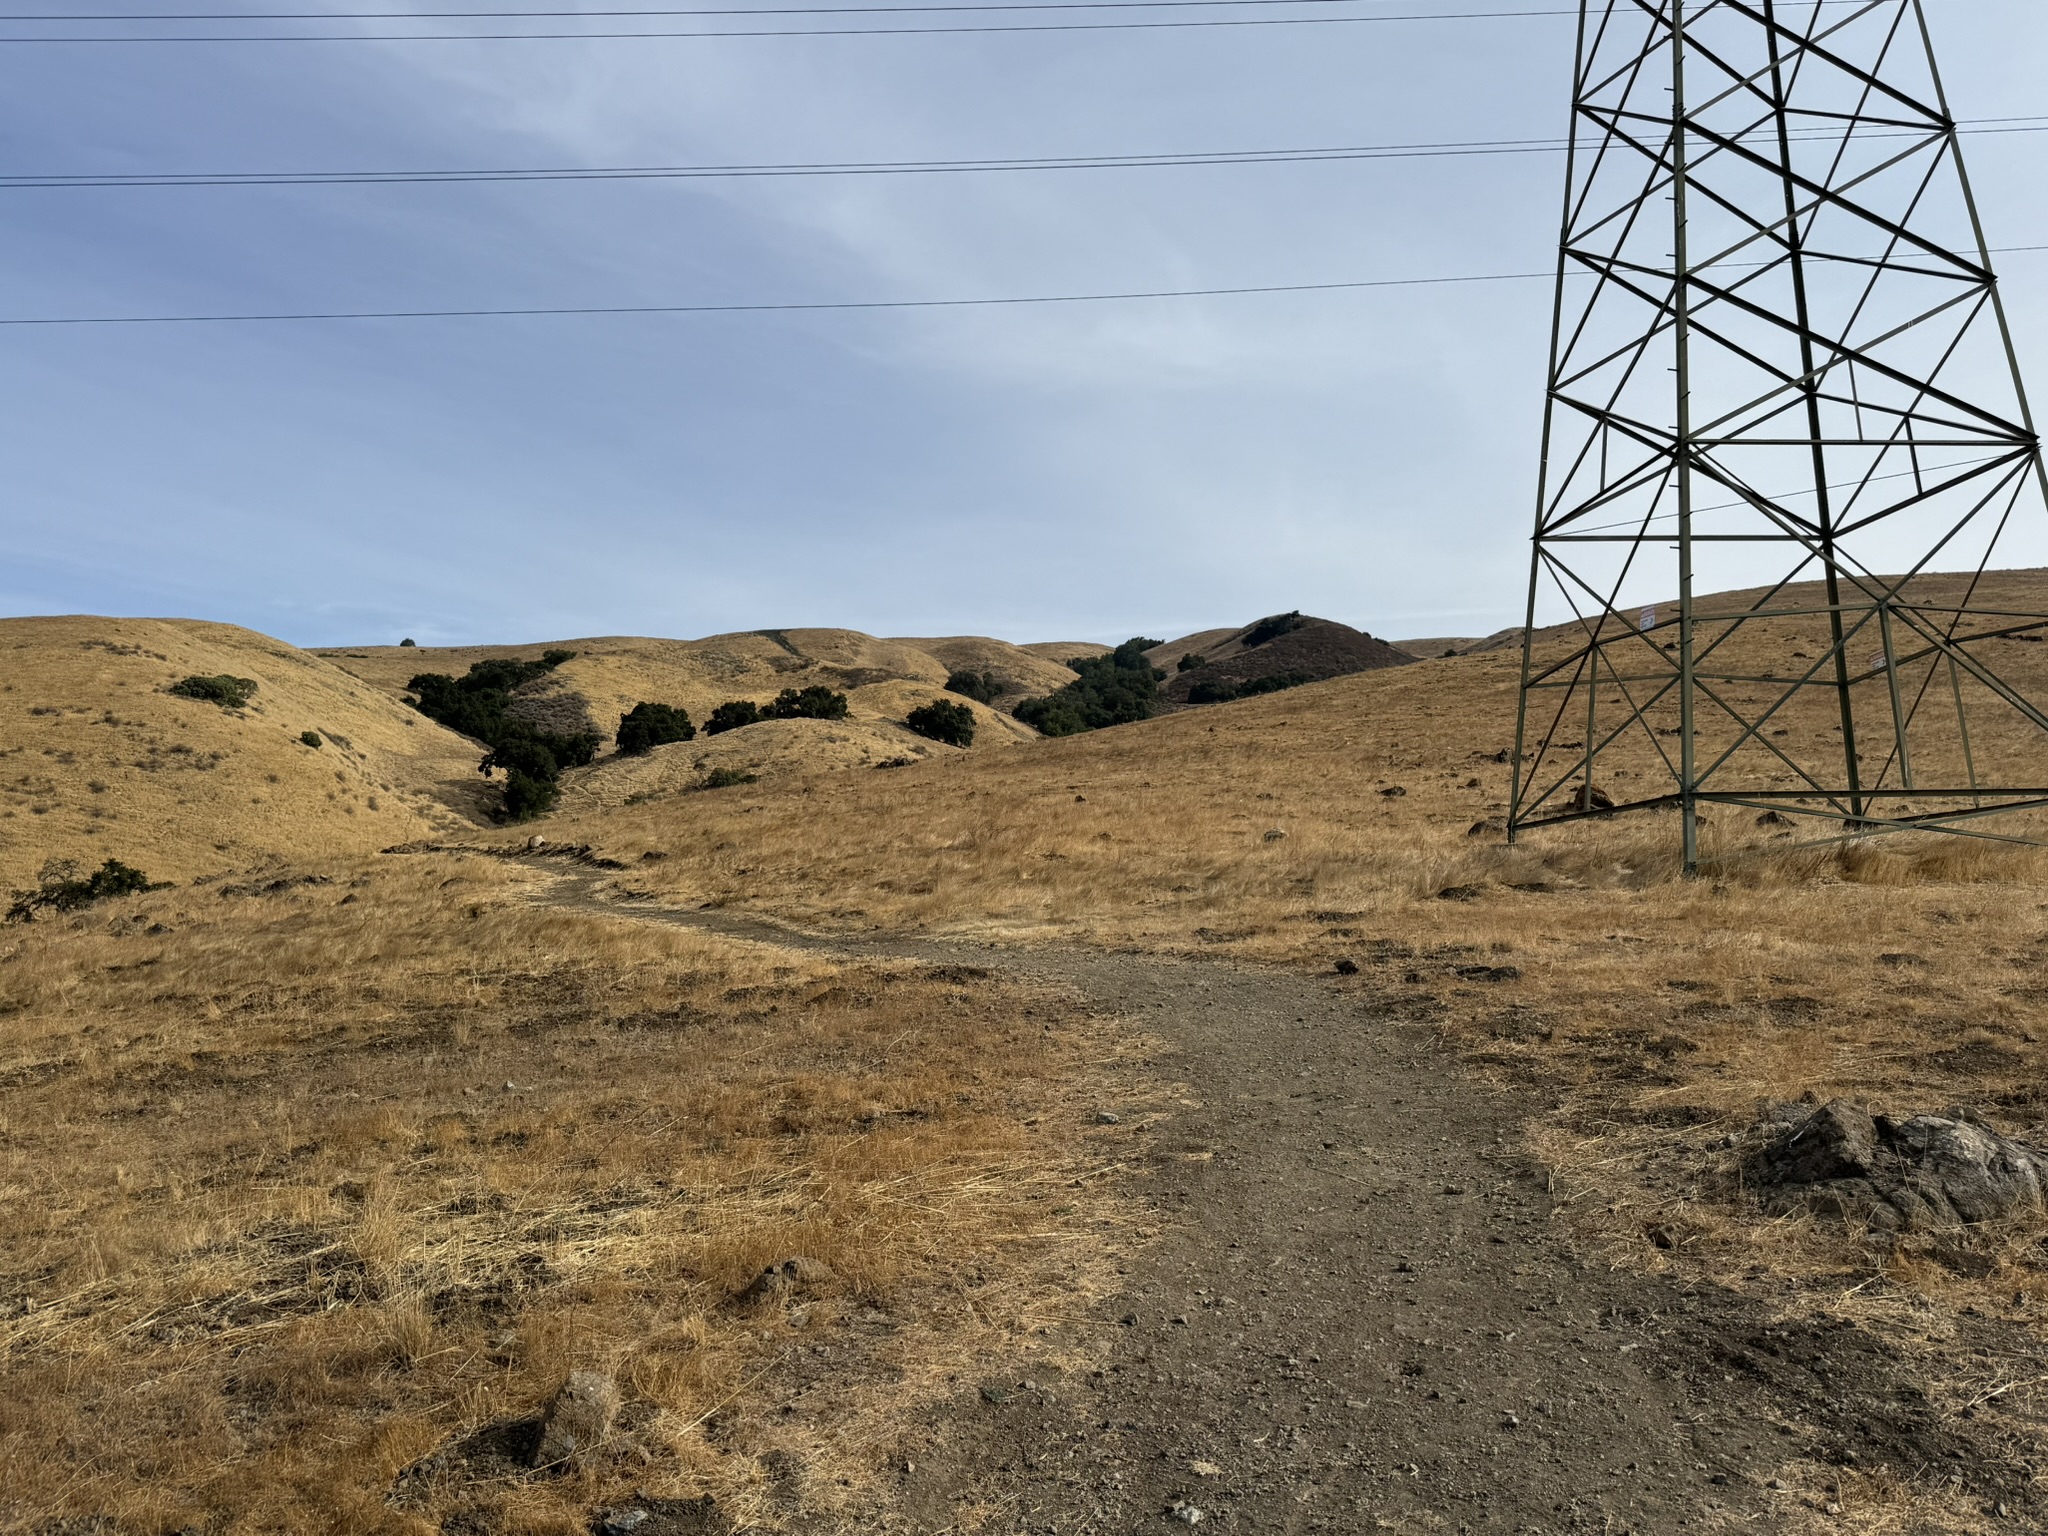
1271, 628
982, 687
814, 703
943, 721
1221, 690
475, 705
1115, 689
647, 726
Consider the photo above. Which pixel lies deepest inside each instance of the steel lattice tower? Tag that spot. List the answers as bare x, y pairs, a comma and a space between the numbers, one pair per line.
1779, 362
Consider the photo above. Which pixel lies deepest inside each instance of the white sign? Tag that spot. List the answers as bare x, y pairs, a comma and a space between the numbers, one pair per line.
1879, 661
1648, 620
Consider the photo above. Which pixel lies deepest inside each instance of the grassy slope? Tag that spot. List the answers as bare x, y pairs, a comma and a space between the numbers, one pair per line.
1651, 1012
97, 761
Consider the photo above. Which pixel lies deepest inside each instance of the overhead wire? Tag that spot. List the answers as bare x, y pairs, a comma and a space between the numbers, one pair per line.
771, 10
1012, 27
1169, 160
809, 306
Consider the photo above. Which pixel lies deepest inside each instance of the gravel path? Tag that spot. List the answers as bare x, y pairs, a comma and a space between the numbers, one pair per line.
1360, 1315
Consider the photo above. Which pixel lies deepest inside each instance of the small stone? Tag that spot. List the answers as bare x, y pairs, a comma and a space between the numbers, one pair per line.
620, 1521
1347, 967
782, 1280
1205, 1469
1394, 791
1274, 835
1187, 1514
577, 1420
1510, 1421
536, 841
1107, 1117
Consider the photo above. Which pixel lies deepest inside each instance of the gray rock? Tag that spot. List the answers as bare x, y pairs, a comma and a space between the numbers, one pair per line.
578, 1419
786, 1279
1899, 1174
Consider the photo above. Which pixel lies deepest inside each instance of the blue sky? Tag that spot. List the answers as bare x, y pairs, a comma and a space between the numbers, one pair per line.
1087, 471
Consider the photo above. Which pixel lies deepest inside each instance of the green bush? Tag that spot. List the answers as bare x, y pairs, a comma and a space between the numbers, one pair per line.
310, 738
228, 692
60, 888
813, 703
647, 726
527, 797
981, 687
1221, 690
1272, 628
726, 778
1109, 690
475, 703
406, 642
1189, 662
731, 715
942, 720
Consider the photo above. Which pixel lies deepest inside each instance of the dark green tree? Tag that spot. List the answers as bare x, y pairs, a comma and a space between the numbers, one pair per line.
942, 720
814, 703
1115, 689
982, 687
647, 726
731, 715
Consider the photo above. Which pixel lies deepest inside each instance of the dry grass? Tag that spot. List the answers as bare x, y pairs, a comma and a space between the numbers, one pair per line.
338, 1180
97, 761
1649, 1013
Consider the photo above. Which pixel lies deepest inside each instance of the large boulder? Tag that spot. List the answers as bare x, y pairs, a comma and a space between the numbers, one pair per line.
1917, 1173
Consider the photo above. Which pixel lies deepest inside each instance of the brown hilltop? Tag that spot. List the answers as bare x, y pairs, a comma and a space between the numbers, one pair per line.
1284, 645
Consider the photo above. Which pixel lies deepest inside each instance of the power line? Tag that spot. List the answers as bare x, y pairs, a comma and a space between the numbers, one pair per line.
20, 181
545, 37
788, 10
811, 307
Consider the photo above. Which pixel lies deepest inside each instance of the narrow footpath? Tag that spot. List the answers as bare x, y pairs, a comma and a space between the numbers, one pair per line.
1360, 1316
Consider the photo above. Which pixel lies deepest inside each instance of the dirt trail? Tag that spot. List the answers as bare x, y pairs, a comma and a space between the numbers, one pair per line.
1360, 1315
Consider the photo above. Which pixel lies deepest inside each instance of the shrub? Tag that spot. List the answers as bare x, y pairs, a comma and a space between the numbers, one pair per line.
310, 738
1271, 628
1109, 690
527, 797
60, 888
407, 641
814, 703
228, 692
647, 726
981, 687
475, 703
726, 778
1189, 662
942, 720
731, 715
1221, 690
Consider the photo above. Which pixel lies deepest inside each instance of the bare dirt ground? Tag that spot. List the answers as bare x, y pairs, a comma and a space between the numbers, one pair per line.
1360, 1313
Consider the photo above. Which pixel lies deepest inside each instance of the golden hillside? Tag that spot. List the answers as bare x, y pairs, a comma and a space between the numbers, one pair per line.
97, 761
610, 674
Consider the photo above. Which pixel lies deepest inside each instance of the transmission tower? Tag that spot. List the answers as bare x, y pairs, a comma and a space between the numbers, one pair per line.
1779, 363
